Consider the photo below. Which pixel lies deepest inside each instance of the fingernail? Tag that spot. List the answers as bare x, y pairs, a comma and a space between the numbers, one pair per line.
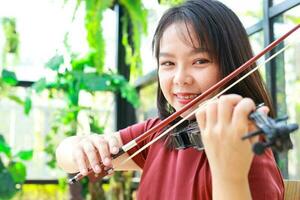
107, 161
97, 169
84, 172
110, 171
115, 149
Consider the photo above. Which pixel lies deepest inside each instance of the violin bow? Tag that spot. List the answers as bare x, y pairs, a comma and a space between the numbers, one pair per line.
176, 114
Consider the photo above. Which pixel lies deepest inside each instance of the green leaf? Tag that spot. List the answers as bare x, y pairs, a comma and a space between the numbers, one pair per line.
81, 63
2, 138
25, 155
27, 105
4, 146
9, 77
16, 99
129, 93
94, 82
95, 126
51, 164
8, 186
55, 62
2, 167
40, 85
18, 171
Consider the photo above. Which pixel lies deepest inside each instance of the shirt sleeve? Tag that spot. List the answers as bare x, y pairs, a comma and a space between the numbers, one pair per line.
130, 133
265, 178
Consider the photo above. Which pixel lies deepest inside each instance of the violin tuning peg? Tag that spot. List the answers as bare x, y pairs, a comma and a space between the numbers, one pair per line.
293, 127
252, 134
259, 147
284, 118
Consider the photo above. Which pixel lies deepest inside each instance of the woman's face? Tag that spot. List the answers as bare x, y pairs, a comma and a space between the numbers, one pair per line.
184, 71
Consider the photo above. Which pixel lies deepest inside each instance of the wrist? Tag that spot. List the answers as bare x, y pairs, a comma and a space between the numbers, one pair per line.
230, 188
230, 176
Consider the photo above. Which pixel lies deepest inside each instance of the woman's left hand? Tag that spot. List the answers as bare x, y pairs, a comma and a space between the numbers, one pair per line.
223, 123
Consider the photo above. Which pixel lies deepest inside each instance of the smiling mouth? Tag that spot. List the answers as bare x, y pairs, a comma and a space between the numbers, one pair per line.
185, 98
192, 96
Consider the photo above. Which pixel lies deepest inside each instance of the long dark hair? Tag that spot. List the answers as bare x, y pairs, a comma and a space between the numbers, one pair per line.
220, 31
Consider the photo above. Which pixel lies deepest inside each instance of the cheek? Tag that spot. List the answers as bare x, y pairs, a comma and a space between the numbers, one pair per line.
208, 79
165, 84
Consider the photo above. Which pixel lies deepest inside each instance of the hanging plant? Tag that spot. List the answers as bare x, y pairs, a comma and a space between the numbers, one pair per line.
11, 35
93, 19
135, 16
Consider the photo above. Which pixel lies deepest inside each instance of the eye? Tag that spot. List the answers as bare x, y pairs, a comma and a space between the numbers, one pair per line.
201, 61
166, 63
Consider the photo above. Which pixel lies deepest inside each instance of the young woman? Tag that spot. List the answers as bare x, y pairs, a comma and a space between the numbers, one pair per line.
196, 44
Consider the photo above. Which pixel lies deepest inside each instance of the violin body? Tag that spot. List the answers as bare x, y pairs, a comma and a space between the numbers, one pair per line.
276, 133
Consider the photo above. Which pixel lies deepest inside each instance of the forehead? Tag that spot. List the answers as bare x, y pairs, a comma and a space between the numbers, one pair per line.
183, 32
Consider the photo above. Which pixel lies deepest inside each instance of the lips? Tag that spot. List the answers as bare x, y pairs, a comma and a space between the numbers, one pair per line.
184, 98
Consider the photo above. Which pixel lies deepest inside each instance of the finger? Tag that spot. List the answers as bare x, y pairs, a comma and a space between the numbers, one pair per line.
79, 158
113, 144
201, 118
92, 155
264, 109
211, 114
103, 149
240, 115
226, 105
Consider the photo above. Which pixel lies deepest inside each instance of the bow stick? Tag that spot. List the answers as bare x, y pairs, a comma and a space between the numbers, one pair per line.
172, 117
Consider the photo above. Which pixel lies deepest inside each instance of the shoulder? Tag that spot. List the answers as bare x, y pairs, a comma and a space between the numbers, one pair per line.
145, 125
135, 130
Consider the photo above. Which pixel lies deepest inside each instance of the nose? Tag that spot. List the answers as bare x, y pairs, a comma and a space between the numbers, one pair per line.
182, 76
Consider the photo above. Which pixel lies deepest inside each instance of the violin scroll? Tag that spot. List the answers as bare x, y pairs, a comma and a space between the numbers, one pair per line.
276, 133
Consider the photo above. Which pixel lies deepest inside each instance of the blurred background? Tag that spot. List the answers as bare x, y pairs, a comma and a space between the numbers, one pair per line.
79, 66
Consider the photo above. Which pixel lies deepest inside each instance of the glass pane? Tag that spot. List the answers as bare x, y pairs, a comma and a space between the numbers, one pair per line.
249, 12
257, 43
24, 132
148, 102
289, 72
40, 28
155, 11
277, 1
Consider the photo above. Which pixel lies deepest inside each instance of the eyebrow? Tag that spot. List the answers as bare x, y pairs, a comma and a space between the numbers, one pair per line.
193, 51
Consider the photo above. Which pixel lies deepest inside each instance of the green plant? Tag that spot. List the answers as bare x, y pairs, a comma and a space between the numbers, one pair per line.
135, 16
87, 73
11, 38
8, 80
12, 169
68, 84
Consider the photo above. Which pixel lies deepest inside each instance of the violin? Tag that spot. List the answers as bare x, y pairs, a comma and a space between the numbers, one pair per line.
275, 134
272, 129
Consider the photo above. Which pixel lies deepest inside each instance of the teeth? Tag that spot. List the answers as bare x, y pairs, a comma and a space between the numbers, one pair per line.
187, 96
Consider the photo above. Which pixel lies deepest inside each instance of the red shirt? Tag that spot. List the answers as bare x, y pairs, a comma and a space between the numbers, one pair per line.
185, 174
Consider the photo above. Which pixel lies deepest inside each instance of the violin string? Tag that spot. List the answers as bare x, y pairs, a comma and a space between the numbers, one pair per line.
202, 105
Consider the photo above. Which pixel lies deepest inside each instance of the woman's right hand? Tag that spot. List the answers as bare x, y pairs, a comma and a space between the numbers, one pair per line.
93, 149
